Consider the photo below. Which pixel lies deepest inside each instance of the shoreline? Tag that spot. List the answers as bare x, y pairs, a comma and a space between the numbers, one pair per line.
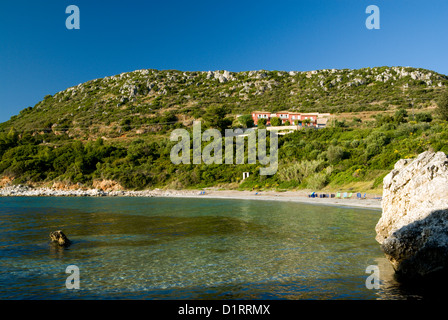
288, 196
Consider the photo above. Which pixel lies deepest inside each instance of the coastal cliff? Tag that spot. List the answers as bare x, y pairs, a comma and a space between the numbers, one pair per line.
413, 228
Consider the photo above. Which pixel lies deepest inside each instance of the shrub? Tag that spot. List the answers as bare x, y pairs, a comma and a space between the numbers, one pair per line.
215, 117
442, 106
246, 121
261, 123
383, 119
275, 121
354, 144
405, 129
125, 124
373, 149
299, 171
400, 116
319, 180
377, 138
423, 117
335, 154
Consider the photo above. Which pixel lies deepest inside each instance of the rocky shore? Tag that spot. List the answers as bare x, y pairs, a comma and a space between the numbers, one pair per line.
26, 191
371, 202
413, 229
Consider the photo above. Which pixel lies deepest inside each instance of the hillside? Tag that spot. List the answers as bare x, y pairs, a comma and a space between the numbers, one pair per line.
143, 100
113, 132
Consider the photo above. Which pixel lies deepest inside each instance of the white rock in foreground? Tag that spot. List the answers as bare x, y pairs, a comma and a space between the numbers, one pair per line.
413, 229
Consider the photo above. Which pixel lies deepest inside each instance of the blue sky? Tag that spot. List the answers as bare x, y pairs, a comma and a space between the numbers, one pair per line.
40, 56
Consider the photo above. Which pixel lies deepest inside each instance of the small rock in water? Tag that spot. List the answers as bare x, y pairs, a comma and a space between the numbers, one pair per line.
60, 238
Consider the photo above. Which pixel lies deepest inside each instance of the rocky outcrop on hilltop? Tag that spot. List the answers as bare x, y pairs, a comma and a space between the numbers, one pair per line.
413, 228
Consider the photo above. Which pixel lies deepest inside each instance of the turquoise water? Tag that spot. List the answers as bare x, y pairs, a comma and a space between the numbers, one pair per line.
174, 248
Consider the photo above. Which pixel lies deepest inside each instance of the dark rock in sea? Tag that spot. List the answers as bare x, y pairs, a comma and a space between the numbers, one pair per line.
59, 238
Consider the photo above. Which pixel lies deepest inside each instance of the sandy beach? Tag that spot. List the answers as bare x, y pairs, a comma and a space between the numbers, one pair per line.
291, 196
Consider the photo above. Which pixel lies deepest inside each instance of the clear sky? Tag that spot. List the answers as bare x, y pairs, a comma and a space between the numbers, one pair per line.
40, 56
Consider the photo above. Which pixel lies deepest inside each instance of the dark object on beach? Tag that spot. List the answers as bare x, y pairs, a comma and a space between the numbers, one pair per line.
58, 237
359, 196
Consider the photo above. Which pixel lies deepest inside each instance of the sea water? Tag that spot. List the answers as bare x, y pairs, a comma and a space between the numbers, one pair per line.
184, 248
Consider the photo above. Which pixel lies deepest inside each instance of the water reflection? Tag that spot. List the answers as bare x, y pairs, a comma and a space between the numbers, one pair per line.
56, 251
392, 288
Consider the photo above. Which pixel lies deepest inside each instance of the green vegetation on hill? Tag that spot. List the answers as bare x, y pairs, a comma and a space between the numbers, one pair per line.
118, 128
310, 158
148, 100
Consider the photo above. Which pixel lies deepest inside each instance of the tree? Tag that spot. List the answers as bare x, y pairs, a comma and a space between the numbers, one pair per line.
383, 119
12, 135
215, 117
287, 123
400, 116
423, 117
261, 123
125, 124
335, 154
374, 144
246, 121
168, 117
275, 121
442, 106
